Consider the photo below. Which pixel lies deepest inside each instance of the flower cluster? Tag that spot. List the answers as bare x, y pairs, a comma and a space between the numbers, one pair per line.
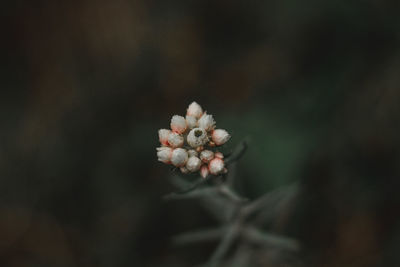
190, 143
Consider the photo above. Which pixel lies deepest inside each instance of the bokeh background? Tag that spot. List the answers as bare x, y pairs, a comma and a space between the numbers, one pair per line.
85, 85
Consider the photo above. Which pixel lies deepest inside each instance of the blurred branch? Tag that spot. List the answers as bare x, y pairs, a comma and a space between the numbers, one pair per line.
199, 236
256, 236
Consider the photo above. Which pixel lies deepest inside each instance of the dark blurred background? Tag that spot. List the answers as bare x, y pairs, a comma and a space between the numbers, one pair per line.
85, 85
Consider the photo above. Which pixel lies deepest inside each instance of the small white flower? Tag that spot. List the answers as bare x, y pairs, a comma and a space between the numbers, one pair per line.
197, 137
191, 121
164, 154
179, 157
216, 166
206, 155
192, 153
206, 122
219, 155
178, 124
175, 140
193, 164
204, 171
195, 110
220, 136
163, 136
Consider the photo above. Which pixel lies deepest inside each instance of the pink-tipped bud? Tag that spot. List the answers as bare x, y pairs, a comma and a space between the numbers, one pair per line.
179, 157
219, 155
163, 135
220, 136
216, 166
175, 140
191, 121
164, 154
195, 110
206, 122
178, 124
204, 171
206, 156
197, 137
193, 164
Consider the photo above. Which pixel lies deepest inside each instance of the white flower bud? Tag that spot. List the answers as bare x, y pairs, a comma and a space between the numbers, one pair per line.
204, 171
220, 136
179, 157
206, 155
175, 140
206, 122
191, 121
163, 136
192, 153
195, 110
178, 124
164, 154
216, 166
193, 164
219, 155
197, 137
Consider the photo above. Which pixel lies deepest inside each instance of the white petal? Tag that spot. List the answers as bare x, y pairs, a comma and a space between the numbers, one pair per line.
191, 121
193, 164
220, 136
179, 157
216, 166
178, 124
197, 137
163, 136
194, 110
175, 140
164, 154
206, 122
206, 155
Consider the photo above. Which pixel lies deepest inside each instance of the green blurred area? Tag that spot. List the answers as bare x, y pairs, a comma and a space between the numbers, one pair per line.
313, 86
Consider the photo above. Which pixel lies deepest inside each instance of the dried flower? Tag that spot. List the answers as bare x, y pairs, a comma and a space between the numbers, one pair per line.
193, 164
163, 136
179, 157
190, 142
206, 155
207, 122
197, 137
220, 136
164, 154
216, 166
178, 124
175, 140
194, 110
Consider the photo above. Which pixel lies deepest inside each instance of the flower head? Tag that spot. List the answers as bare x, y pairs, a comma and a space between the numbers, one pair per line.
190, 144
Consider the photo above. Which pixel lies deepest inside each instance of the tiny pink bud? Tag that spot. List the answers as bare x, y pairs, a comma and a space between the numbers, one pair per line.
204, 171
206, 156
194, 110
206, 122
163, 136
164, 154
193, 164
178, 124
220, 136
216, 166
175, 140
179, 157
184, 170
